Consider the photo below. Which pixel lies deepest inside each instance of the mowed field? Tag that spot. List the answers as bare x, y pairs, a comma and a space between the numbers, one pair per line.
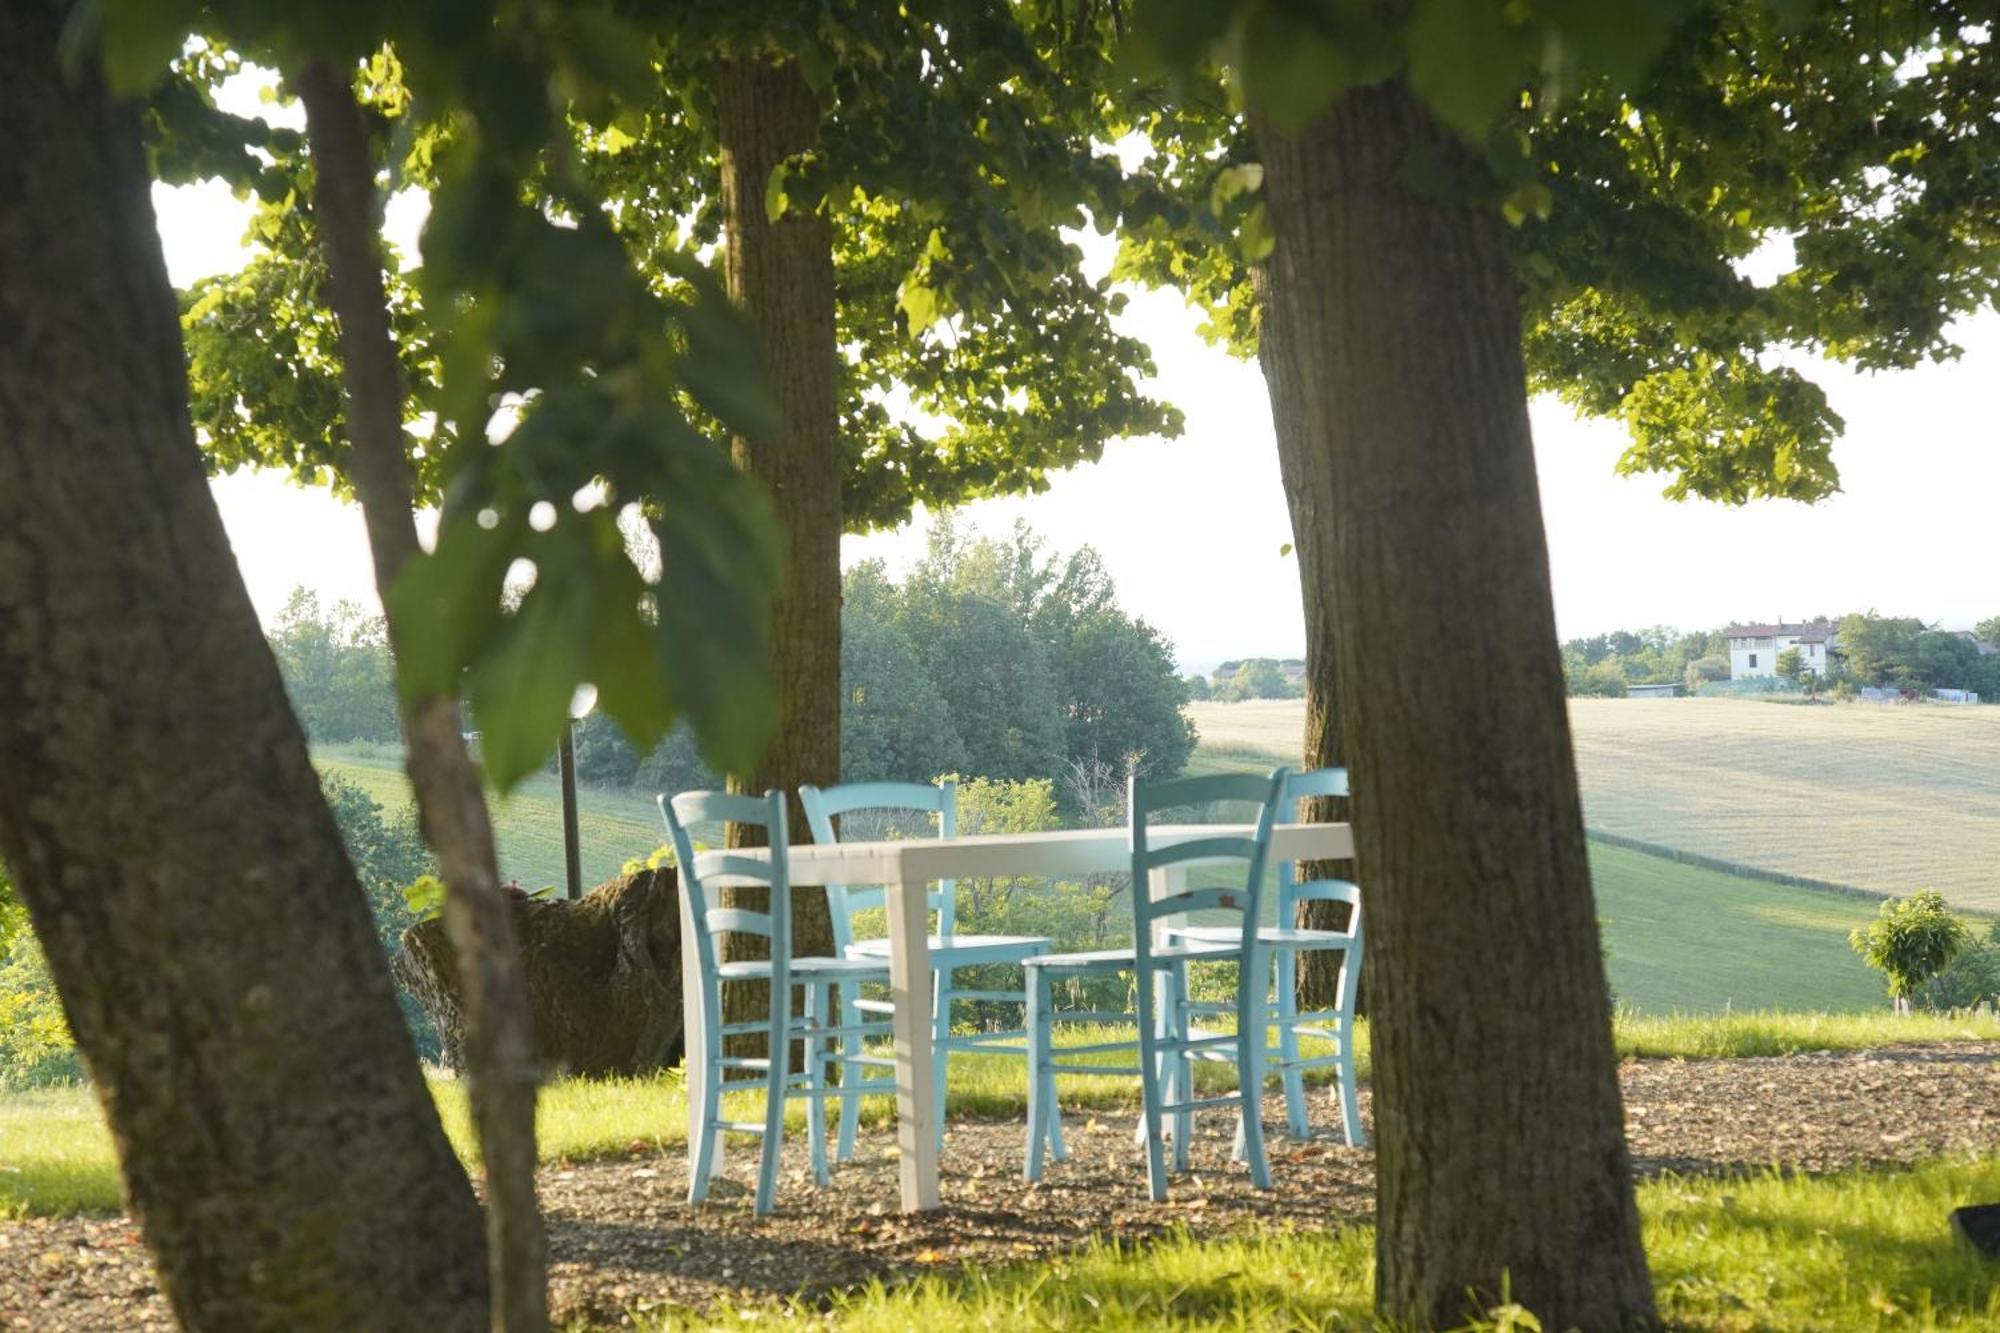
1903, 798
612, 826
1881, 797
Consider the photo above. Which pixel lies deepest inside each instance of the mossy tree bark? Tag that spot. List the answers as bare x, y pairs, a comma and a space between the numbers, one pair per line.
451, 802
1501, 1145
1299, 406
780, 272
211, 945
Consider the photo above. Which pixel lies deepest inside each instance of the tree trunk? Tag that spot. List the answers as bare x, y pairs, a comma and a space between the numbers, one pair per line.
781, 275
1298, 404
1501, 1146
211, 945
451, 803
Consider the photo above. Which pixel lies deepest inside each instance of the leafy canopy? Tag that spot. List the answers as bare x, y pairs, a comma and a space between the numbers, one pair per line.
1644, 151
572, 401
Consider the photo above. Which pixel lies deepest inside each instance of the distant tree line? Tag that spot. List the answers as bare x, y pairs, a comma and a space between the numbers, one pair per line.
1251, 678
1868, 650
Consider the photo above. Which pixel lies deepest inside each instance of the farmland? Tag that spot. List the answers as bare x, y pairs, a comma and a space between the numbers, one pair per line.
1885, 798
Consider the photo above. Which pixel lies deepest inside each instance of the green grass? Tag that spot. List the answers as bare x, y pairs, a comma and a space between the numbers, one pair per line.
1681, 938
1858, 1250
613, 826
56, 1157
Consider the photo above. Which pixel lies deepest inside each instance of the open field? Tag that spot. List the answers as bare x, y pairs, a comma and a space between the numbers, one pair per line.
614, 826
1881, 797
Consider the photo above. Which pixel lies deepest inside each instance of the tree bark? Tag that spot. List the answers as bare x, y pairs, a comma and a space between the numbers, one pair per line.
1299, 403
1501, 1147
780, 273
211, 945
501, 1069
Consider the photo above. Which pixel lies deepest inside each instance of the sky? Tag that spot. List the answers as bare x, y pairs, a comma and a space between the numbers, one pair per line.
1193, 529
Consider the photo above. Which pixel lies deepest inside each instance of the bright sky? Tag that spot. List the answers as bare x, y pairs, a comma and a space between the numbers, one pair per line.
1192, 529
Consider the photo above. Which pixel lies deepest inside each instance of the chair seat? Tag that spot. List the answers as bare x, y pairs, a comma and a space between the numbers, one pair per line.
808, 969
1112, 960
1270, 937
957, 949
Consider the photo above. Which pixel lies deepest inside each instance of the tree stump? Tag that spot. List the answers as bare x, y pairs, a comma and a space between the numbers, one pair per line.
603, 976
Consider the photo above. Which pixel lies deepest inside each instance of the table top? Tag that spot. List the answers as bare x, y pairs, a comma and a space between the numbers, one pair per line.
1056, 852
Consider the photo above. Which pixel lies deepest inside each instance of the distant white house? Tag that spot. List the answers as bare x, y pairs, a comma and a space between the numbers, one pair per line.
1754, 649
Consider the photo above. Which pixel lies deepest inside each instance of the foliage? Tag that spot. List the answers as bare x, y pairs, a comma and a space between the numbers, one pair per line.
1911, 941
1642, 160
959, 139
337, 669
895, 723
1255, 678
569, 399
1705, 671
1903, 653
388, 854
1790, 664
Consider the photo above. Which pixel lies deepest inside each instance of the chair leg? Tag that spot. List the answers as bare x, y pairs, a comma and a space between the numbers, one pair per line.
941, 1048
852, 1045
1178, 1027
819, 1007
1250, 1043
1350, 1099
774, 1102
1150, 1072
1038, 1075
711, 1101
1287, 1006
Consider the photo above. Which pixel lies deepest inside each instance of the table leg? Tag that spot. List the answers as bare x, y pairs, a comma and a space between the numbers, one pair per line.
916, 1095
694, 1051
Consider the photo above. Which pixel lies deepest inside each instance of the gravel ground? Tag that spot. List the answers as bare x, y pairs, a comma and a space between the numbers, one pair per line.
622, 1239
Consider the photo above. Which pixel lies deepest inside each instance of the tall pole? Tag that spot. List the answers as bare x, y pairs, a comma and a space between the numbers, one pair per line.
572, 842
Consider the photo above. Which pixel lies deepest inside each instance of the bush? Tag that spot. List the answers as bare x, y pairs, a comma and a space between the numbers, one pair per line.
1910, 942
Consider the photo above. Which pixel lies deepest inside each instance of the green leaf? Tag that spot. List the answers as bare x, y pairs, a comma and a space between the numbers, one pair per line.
136, 39
1243, 178
1255, 234
630, 685
1465, 62
918, 303
775, 200
448, 602
521, 689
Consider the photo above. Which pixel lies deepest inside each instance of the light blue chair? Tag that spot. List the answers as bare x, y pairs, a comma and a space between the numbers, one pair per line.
950, 951
816, 1030
1167, 1051
1285, 942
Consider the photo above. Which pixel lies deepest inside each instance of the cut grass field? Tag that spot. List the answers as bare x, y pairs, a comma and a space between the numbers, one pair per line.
1882, 797
56, 1156
1683, 937
613, 826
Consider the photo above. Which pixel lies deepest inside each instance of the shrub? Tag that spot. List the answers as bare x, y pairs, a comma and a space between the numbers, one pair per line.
1910, 942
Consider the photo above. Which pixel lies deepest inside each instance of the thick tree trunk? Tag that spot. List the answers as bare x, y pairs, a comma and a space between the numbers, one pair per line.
1298, 405
781, 275
1501, 1145
451, 802
158, 809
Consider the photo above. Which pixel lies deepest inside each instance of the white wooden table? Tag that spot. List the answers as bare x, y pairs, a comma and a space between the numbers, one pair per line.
906, 869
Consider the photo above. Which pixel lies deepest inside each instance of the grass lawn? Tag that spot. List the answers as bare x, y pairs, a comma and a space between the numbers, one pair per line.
1858, 1250
56, 1158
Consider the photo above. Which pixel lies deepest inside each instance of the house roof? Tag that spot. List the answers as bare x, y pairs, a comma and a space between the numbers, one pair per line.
1818, 631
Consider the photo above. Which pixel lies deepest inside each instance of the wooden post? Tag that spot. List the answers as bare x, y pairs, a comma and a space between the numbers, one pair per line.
572, 840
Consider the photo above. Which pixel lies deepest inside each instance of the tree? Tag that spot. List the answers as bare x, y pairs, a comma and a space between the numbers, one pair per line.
1706, 671
895, 723
1880, 650
337, 669
213, 952
1592, 214
1791, 665
1198, 688
1988, 631
1910, 941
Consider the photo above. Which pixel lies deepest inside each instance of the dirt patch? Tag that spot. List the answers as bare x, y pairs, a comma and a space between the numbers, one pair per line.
622, 1238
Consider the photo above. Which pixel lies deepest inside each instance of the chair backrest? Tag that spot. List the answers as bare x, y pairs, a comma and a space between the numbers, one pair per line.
696, 869
1243, 894
823, 804
1297, 786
